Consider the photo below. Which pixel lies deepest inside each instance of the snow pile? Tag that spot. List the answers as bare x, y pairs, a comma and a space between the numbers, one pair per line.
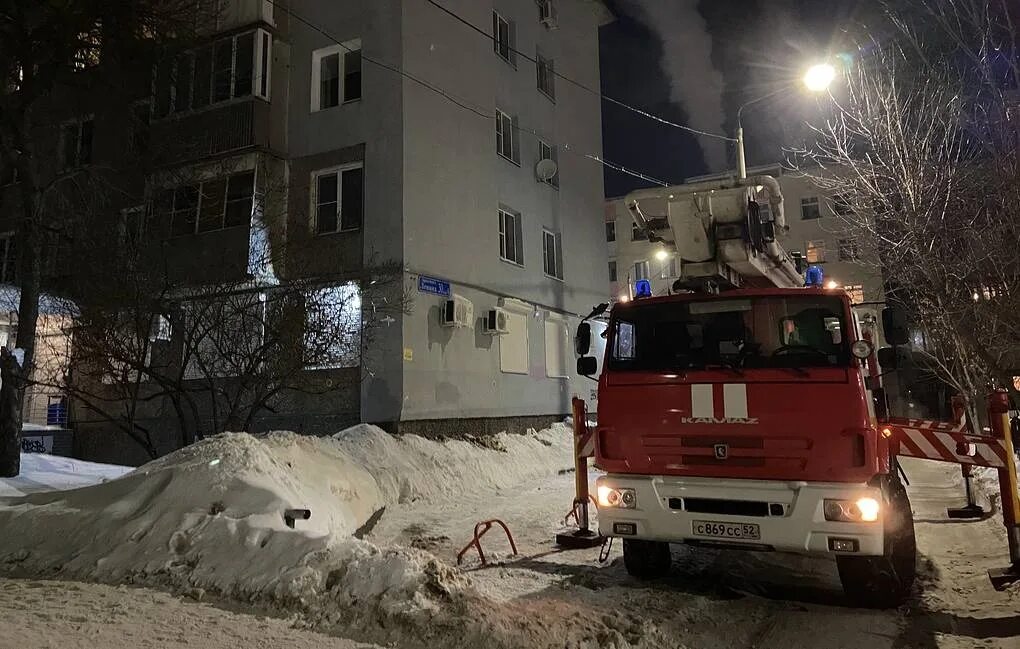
41, 472
212, 517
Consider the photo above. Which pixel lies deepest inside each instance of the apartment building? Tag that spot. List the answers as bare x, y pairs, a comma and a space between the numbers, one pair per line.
321, 141
814, 230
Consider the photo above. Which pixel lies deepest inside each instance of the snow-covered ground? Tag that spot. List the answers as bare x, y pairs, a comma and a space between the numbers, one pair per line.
41, 472
207, 523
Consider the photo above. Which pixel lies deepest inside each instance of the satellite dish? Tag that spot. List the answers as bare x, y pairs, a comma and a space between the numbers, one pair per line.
546, 169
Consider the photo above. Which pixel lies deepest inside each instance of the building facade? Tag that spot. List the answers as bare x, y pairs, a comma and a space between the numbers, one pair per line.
331, 143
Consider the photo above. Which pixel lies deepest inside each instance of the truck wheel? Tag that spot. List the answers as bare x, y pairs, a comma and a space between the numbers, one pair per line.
646, 559
886, 581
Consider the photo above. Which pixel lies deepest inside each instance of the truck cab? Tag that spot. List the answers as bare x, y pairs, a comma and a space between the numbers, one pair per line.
744, 420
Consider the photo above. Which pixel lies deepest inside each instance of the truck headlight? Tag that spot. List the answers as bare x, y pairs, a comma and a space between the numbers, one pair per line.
862, 510
618, 498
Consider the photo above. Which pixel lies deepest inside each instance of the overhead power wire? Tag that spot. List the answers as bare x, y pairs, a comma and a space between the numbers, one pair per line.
579, 84
462, 103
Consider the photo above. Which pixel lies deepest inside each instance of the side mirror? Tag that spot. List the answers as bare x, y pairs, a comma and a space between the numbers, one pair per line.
582, 339
587, 365
894, 325
888, 358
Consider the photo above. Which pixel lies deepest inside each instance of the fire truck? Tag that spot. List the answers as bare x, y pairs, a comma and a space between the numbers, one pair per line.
739, 410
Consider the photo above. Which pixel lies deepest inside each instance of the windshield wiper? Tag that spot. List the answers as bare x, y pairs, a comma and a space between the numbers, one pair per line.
717, 365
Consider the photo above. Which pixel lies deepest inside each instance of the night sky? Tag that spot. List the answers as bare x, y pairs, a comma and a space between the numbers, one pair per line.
694, 62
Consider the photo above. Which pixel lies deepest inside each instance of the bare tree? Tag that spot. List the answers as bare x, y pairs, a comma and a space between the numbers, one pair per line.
47, 48
923, 149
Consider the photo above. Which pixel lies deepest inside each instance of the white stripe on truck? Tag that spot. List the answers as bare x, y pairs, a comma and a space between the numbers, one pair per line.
735, 400
702, 402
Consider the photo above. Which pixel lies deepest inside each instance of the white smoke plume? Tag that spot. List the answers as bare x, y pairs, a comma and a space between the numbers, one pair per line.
695, 83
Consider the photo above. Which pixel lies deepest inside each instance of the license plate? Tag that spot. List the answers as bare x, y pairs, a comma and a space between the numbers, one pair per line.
720, 530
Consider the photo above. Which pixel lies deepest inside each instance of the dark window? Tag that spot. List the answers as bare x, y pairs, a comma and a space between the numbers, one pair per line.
329, 84
352, 199
612, 271
85, 143
210, 215
264, 72
240, 199
635, 233
223, 61
506, 137
552, 254
501, 37
546, 76
244, 64
548, 152
185, 208
326, 203
352, 75
610, 230
203, 77
848, 250
183, 74
511, 245
809, 208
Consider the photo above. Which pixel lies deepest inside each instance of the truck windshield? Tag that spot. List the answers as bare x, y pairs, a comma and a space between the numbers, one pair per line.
781, 332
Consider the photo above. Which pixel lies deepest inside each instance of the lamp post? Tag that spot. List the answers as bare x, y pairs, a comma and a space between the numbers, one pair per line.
817, 78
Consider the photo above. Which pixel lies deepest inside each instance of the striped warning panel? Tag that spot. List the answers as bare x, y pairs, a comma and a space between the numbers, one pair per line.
959, 448
586, 443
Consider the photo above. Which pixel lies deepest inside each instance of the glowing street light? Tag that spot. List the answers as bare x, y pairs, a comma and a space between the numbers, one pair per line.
819, 77
832, 284
662, 255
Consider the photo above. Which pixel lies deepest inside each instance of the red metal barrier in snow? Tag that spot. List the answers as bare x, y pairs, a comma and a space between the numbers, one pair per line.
480, 529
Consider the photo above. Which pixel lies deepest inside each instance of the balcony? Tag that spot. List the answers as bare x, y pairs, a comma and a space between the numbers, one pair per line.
226, 128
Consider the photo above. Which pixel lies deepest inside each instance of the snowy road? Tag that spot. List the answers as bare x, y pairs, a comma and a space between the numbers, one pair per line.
545, 598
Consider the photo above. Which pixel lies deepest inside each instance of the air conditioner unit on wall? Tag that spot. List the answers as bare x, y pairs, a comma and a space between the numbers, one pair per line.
457, 312
497, 322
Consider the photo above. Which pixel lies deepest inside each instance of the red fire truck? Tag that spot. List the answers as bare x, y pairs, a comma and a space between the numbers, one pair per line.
736, 411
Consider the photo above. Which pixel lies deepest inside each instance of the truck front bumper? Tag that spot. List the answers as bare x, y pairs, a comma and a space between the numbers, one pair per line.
770, 515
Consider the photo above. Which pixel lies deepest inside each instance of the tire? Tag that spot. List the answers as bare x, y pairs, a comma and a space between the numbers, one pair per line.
646, 559
885, 581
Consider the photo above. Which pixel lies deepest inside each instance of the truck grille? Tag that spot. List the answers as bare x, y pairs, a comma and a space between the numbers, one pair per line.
748, 451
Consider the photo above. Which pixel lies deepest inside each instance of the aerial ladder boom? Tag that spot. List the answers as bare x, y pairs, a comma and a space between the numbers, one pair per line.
723, 236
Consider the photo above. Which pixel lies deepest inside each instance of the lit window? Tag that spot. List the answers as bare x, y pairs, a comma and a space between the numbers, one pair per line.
815, 251
640, 270
809, 208
856, 292
333, 327
339, 198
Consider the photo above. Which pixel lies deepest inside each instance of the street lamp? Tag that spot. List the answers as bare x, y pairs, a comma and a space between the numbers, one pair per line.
817, 78
662, 255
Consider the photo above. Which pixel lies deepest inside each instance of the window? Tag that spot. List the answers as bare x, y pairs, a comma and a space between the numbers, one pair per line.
332, 335
132, 226
238, 66
76, 143
552, 254
511, 244
546, 77
815, 251
841, 206
669, 268
809, 208
610, 231
139, 135
636, 234
548, 152
506, 137
856, 292
546, 12
339, 198
848, 250
503, 37
211, 205
8, 259
640, 270
8, 175
336, 75
612, 271
225, 336
89, 46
